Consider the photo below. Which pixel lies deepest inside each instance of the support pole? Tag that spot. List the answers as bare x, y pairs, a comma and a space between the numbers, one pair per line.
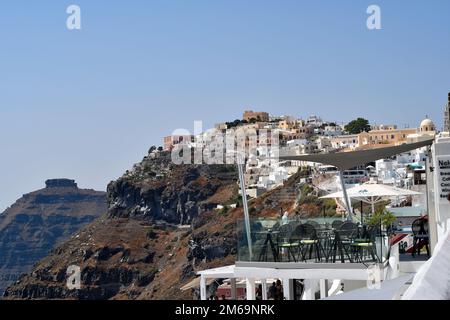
362, 209
309, 289
202, 288
394, 262
373, 205
264, 289
233, 288
347, 200
245, 205
288, 289
323, 288
250, 286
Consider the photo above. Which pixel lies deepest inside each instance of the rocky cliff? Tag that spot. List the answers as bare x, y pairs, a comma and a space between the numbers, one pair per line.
40, 220
161, 227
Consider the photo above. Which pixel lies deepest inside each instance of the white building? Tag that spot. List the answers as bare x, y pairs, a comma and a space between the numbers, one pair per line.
323, 144
350, 142
314, 121
399, 170
333, 131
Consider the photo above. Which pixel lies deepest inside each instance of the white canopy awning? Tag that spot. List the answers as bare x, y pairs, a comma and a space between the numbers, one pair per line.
373, 190
372, 193
221, 272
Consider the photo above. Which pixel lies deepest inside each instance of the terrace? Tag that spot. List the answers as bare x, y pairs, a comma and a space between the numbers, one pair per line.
313, 258
312, 241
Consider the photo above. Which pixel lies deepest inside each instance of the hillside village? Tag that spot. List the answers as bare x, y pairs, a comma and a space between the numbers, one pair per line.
314, 135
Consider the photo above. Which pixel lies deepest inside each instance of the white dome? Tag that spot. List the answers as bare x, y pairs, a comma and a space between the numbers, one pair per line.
427, 123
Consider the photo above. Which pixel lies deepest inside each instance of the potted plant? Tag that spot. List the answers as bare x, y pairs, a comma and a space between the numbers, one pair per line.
383, 218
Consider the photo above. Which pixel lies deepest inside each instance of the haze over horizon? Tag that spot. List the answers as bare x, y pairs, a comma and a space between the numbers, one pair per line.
87, 104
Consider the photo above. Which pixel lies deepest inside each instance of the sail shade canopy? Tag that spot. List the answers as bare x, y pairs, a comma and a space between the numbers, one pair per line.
347, 160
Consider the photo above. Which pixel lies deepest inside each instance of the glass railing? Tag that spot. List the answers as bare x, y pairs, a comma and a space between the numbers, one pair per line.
318, 240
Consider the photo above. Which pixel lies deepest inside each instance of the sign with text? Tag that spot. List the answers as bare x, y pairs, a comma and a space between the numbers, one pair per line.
443, 178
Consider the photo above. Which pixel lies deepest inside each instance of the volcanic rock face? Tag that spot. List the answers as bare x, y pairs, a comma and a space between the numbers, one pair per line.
140, 250
40, 220
158, 190
161, 228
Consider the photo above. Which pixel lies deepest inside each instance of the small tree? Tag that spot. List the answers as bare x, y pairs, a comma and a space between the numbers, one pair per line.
357, 126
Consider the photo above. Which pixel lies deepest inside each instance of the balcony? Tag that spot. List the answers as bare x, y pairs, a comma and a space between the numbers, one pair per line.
312, 241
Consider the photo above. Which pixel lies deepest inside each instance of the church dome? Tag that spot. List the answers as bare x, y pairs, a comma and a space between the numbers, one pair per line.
427, 122
427, 125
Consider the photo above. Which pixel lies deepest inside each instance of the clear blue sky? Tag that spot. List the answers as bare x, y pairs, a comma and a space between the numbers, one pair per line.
88, 104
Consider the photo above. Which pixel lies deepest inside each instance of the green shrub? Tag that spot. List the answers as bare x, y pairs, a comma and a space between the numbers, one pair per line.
306, 190
151, 234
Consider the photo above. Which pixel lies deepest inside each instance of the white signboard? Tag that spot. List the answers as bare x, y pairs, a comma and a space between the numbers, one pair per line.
443, 178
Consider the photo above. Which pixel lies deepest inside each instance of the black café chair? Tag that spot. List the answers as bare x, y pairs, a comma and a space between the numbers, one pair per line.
343, 237
420, 236
367, 245
336, 224
284, 241
276, 226
307, 242
313, 223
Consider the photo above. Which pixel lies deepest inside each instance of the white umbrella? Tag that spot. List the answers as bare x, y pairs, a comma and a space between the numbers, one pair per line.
372, 193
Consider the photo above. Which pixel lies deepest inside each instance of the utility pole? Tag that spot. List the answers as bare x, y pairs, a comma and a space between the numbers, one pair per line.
240, 164
347, 200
